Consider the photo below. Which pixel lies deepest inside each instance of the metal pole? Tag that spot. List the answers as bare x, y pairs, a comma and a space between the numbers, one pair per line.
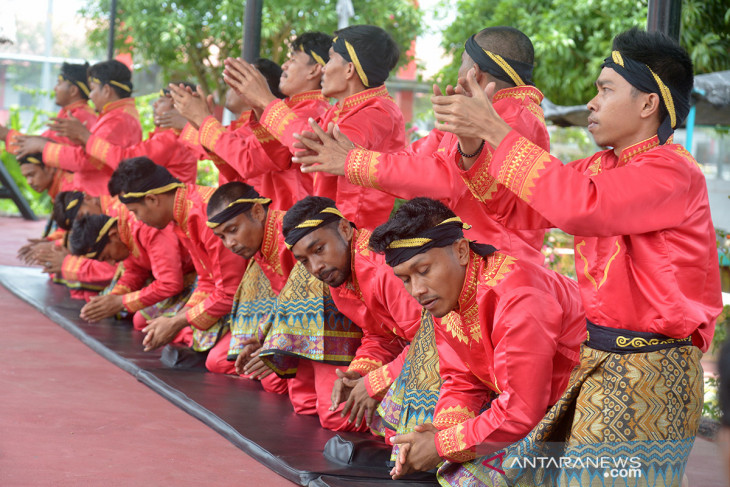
46, 84
665, 16
112, 21
252, 30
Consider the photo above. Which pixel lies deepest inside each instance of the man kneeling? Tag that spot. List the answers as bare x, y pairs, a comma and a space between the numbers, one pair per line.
508, 337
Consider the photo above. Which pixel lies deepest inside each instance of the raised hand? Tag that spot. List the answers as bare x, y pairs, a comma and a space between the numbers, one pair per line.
325, 151
470, 116
249, 83
29, 144
195, 107
70, 127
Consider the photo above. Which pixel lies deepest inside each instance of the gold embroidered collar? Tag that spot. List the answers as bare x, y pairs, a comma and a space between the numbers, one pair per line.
304, 96
520, 92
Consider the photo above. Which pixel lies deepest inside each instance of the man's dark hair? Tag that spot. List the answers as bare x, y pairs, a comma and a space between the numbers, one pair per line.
318, 42
76, 73
85, 232
28, 159
411, 219
272, 73
64, 217
135, 174
662, 54
507, 42
228, 193
113, 70
371, 42
305, 209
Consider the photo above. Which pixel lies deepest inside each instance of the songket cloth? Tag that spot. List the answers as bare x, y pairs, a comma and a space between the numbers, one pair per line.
626, 419
252, 309
306, 324
412, 398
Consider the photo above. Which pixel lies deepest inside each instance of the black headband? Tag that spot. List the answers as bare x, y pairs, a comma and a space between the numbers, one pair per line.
160, 182
327, 215
71, 208
442, 235
641, 77
235, 208
102, 239
502, 68
371, 70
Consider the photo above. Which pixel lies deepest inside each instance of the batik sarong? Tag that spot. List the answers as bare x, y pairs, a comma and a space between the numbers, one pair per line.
412, 398
171, 306
626, 419
306, 324
252, 307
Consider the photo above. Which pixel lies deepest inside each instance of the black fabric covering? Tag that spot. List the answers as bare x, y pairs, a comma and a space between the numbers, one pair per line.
261, 424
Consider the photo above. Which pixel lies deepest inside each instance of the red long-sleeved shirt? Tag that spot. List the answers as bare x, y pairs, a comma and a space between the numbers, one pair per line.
219, 270
516, 332
428, 167
118, 124
370, 119
645, 246
163, 146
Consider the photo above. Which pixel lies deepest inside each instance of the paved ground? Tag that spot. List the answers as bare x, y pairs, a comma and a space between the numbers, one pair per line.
71, 418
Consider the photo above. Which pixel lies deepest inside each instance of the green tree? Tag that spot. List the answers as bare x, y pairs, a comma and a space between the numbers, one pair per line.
190, 38
572, 37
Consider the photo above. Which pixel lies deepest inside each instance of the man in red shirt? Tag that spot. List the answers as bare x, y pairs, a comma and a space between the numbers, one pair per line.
430, 166
72, 95
360, 60
158, 199
507, 340
256, 156
110, 84
645, 251
146, 253
162, 145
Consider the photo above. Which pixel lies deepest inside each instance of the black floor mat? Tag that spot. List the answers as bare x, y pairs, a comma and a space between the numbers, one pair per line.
261, 424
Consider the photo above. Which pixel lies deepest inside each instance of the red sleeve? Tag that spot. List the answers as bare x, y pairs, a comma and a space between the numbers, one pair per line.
220, 278
378, 381
527, 324
115, 129
245, 152
163, 251
88, 271
603, 204
156, 148
374, 351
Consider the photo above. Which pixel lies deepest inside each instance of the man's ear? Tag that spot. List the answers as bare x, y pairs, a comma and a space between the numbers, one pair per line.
345, 230
151, 200
315, 72
651, 104
113, 232
350, 72
258, 213
461, 250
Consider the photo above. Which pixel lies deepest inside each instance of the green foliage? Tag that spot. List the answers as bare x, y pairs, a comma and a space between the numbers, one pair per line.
191, 38
711, 404
572, 37
706, 34
39, 203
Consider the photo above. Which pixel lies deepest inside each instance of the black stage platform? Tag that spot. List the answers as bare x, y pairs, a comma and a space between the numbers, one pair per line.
261, 424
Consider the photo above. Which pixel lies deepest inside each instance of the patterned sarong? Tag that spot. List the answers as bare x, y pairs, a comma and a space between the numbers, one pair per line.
412, 398
624, 420
171, 306
252, 308
306, 324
